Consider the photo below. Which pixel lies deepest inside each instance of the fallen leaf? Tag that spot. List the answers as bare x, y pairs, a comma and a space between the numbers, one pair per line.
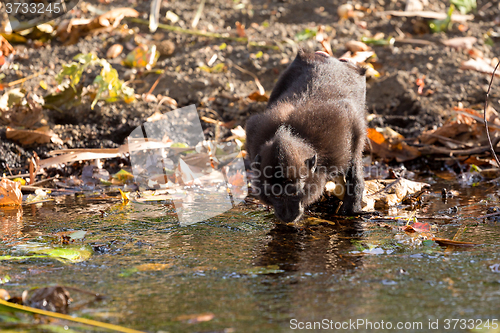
389, 144
355, 46
124, 196
10, 193
69, 31
256, 96
142, 56
420, 227
123, 176
462, 124
386, 193
5, 47
28, 137
449, 242
240, 29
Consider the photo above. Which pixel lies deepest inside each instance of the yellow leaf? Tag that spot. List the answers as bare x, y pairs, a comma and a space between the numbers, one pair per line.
125, 196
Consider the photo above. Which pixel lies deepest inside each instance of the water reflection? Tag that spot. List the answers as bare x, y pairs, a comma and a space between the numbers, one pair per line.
11, 223
314, 248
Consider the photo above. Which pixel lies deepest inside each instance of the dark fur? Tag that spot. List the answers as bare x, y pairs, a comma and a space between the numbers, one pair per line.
313, 129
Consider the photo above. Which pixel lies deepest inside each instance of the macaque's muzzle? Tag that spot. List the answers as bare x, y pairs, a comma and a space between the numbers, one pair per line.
289, 213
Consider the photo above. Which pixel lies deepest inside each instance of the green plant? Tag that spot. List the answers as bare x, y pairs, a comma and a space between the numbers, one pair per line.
107, 81
442, 25
465, 6
306, 34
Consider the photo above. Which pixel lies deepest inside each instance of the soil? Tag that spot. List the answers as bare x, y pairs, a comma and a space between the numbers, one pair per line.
392, 99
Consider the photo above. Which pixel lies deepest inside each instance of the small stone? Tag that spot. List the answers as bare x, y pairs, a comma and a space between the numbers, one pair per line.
114, 51
165, 47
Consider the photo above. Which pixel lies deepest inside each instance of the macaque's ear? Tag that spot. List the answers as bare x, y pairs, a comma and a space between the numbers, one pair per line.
311, 163
256, 162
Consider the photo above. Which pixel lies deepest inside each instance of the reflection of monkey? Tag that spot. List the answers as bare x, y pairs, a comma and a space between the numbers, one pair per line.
315, 248
314, 129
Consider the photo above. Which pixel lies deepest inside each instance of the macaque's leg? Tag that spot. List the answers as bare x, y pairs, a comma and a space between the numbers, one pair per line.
354, 180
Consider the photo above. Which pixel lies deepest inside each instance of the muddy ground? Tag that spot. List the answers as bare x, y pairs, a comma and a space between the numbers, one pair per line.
392, 98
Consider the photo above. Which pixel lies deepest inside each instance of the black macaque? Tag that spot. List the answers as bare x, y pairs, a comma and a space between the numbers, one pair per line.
314, 129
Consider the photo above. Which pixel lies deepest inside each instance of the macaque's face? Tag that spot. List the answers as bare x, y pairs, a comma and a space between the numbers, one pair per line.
287, 189
286, 197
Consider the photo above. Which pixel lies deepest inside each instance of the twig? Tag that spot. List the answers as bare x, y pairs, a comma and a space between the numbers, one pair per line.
262, 91
13, 83
484, 115
487, 215
205, 34
21, 175
8, 169
198, 14
430, 149
156, 83
414, 41
191, 32
429, 15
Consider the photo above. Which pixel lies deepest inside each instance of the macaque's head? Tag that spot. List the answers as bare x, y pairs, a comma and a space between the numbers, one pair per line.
286, 175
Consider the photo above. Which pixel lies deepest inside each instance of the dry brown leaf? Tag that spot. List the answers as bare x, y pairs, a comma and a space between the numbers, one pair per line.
389, 144
256, 96
119, 14
386, 193
69, 31
240, 29
452, 129
26, 137
22, 115
10, 193
5, 47
356, 46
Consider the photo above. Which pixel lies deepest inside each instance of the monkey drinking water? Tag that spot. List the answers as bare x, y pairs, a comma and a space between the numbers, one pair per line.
313, 130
